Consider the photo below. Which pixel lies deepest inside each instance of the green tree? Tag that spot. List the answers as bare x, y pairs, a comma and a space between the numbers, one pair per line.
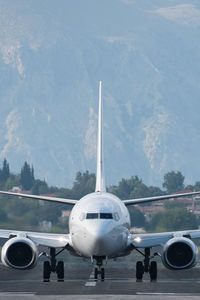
27, 176
137, 218
177, 218
18, 207
197, 186
171, 204
49, 212
173, 182
131, 188
13, 180
3, 216
39, 187
84, 184
5, 172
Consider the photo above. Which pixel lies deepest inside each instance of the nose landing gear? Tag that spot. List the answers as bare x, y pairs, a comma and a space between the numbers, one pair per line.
99, 270
146, 266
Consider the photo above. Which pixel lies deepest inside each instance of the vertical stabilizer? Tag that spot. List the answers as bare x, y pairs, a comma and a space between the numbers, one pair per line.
100, 182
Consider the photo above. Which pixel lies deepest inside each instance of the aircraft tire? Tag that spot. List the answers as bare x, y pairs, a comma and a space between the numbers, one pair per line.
96, 273
60, 271
102, 274
46, 271
153, 270
139, 270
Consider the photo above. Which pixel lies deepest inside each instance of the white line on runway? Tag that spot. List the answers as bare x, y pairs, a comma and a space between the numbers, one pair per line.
158, 294
91, 281
21, 294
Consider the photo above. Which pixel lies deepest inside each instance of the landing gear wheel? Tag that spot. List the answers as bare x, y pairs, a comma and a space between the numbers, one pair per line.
139, 270
95, 273
60, 271
102, 274
153, 270
46, 271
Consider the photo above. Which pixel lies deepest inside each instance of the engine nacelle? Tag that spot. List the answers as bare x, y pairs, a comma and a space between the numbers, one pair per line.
180, 253
19, 253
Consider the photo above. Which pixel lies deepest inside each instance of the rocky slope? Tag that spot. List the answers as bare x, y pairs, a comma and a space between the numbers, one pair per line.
52, 56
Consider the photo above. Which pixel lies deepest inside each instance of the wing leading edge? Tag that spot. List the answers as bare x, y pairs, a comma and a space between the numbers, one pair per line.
39, 238
159, 239
44, 198
157, 198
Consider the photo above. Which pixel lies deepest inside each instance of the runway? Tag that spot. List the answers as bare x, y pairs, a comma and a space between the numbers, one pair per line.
120, 283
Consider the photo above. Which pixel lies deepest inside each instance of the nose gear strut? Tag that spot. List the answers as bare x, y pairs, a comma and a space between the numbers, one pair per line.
99, 270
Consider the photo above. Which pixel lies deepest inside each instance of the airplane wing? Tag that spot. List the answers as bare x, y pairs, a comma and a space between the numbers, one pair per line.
148, 240
39, 238
157, 198
44, 198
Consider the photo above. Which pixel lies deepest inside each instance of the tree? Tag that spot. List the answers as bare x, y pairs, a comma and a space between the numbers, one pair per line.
137, 218
5, 172
39, 187
171, 204
131, 188
173, 182
27, 176
13, 180
84, 184
3, 216
176, 218
49, 212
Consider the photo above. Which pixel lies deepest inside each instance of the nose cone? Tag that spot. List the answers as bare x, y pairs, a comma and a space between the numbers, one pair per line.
97, 229
100, 238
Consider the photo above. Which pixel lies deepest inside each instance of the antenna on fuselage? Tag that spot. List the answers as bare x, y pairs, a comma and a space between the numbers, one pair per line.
100, 180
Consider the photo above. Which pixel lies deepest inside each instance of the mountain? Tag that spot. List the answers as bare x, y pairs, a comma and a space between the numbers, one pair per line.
147, 54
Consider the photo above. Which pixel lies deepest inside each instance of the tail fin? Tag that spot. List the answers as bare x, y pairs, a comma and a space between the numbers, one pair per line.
100, 181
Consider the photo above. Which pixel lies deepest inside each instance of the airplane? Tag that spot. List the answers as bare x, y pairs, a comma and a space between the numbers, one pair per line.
99, 229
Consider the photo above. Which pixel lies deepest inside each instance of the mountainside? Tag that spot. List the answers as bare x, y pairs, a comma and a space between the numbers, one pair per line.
147, 54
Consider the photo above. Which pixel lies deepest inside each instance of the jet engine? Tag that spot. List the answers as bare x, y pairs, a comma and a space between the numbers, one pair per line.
180, 253
19, 253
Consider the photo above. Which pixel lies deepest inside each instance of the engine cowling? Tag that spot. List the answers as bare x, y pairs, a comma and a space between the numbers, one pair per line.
180, 253
19, 253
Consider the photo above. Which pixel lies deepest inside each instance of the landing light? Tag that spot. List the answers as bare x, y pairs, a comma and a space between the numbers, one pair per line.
62, 239
137, 239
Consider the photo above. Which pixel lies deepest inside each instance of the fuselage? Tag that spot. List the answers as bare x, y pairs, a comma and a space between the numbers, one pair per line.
99, 226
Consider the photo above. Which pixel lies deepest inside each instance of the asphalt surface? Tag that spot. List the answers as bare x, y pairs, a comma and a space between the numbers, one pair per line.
120, 283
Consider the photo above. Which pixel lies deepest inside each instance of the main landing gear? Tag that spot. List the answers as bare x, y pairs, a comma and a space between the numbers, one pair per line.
99, 270
53, 266
146, 266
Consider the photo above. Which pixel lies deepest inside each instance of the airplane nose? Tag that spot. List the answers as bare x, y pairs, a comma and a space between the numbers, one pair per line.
100, 238
99, 230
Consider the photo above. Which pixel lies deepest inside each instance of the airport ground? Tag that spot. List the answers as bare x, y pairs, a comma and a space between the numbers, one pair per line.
79, 284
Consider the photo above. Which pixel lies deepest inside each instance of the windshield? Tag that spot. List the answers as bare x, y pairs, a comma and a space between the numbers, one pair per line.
92, 216
106, 216
99, 216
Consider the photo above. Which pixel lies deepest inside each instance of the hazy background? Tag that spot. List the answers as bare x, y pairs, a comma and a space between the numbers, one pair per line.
147, 53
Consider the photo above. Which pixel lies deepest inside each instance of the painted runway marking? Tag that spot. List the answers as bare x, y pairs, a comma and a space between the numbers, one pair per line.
157, 294
91, 281
21, 294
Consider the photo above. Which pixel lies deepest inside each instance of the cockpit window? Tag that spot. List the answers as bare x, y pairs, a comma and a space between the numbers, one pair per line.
82, 216
99, 216
116, 217
106, 216
92, 216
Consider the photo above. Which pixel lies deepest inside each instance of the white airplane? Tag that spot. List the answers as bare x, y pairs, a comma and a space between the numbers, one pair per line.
99, 230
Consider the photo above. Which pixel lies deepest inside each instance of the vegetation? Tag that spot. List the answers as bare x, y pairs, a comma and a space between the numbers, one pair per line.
177, 218
31, 214
173, 182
